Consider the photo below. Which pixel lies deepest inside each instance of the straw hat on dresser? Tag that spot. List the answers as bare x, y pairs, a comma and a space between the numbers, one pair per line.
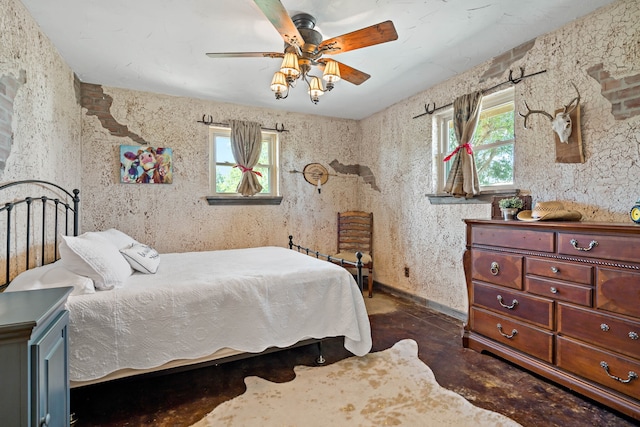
549, 211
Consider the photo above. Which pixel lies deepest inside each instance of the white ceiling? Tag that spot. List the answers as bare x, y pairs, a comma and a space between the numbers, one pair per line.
160, 45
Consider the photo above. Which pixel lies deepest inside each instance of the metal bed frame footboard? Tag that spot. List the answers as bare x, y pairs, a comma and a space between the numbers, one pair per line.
342, 262
26, 216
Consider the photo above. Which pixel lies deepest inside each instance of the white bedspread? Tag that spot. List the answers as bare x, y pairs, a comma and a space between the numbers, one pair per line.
200, 302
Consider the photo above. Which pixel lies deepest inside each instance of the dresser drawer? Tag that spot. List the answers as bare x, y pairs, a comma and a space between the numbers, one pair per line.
528, 339
532, 240
531, 308
621, 335
618, 291
494, 267
599, 366
578, 273
619, 248
560, 291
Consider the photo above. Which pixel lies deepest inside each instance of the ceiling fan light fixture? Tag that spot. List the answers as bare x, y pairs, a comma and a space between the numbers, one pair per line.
290, 67
315, 89
279, 85
304, 48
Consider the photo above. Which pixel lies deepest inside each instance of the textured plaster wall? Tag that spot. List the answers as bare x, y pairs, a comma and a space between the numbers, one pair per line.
46, 115
431, 238
177, 217
9, 87
45, 124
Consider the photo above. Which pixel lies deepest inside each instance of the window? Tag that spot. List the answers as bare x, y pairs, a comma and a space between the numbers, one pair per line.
493, 142
224, 177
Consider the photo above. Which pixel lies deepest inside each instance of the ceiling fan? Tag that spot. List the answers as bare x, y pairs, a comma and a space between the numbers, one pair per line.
305, 48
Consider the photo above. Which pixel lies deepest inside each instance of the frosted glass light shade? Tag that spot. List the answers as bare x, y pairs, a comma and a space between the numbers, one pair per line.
331, 72
290, 65
315, 87
279, 82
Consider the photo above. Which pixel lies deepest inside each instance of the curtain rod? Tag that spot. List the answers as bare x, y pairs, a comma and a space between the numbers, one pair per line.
209, 122
512, 80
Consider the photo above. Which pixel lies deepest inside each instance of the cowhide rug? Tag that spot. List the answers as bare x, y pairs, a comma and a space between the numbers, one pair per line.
389, 388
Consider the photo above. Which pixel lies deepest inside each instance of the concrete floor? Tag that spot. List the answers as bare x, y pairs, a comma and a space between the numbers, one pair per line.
180, 399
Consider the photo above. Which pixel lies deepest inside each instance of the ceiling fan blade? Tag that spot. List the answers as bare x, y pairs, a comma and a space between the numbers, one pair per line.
279, 17
369, 36
347, 73
245, 55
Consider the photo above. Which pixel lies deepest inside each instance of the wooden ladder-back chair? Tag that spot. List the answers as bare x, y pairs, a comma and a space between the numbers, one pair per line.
355, 234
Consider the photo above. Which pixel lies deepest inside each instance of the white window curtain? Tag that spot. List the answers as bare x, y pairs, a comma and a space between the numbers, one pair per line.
246, 145
462, 180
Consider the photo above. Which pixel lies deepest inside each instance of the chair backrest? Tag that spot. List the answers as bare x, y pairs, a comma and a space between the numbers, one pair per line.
355, 232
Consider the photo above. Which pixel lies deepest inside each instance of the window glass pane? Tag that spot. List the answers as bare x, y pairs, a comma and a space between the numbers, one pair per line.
495, 124
495, 165
452, 140
264, 179
451, 143
264, 154
493, 142
223, 149
227, 179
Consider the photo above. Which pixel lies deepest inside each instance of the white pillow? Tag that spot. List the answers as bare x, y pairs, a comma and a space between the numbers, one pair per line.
93, 256
142, 258
51, 276
117, 237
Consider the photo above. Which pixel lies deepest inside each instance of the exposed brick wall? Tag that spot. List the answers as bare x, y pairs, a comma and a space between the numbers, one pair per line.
502, 63
98, 104
623, 93
362, 171
9, 86
77, 88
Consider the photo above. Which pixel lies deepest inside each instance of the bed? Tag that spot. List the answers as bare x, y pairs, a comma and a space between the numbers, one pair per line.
135, 311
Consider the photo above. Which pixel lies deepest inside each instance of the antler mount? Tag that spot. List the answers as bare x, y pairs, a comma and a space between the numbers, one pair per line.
561, 123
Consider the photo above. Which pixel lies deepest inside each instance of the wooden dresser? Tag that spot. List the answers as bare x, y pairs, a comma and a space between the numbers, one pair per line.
561, 299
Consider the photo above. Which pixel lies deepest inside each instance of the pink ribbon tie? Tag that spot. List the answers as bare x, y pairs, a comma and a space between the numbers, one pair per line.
245, 169
467, 146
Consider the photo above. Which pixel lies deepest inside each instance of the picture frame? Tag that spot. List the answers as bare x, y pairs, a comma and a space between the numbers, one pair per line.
141, 164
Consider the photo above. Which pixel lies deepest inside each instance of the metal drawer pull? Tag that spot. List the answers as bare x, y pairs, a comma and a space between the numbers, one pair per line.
554, 269
510, 307
592, 244
633, 335
514, 332
604, 327
554, 290
630, 376
495, 268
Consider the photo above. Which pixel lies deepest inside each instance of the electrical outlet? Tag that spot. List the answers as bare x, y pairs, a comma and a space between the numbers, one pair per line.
406, 272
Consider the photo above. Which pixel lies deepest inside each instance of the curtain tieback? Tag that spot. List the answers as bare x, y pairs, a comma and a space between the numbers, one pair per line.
467, 146
245, 169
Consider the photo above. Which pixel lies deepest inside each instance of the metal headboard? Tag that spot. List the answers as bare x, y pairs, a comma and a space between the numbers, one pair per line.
34, 206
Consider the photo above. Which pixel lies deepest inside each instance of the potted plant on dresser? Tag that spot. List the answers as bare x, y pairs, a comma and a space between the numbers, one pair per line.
510, 206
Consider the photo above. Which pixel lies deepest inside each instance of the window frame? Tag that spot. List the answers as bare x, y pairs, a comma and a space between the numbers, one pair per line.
441, 149
273, 144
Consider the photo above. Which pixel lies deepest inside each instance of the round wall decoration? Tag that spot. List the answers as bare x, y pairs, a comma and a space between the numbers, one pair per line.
314, 173
635, 213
